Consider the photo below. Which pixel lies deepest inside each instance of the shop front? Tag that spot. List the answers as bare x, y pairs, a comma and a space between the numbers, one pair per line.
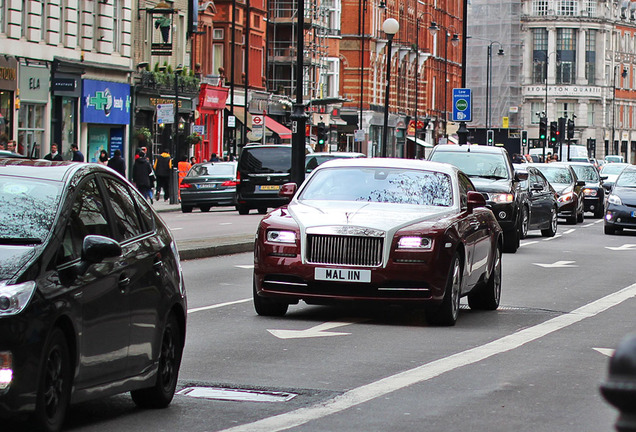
212, 101
66, 90
105, 116
8, 88
33, 85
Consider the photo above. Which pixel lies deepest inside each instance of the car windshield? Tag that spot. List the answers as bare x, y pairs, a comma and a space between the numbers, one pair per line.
27, 209
627, 179
556, 174
211, 169
586, 172
489, 165
612, 168
384, 185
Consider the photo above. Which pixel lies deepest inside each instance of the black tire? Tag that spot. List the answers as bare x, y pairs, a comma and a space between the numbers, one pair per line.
599, 212
205, 209
554, 221
488, 296
445, 313
525, 222
262, 210
609, 230
54, 388
580, 217
242, 210
268, 307
511, 240
160, 395
572, 219
186, 209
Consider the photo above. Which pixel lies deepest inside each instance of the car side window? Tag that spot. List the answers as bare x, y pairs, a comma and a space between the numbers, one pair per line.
126, 219
145, 213
87, 217
464, 186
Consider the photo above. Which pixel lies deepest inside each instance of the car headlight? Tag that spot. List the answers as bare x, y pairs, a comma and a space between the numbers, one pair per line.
613, 199
501, 197
567, 197
590, 192
280, 236
413, 242
14, 298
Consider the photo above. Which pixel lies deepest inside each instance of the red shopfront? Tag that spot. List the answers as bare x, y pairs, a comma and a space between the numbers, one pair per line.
211, 104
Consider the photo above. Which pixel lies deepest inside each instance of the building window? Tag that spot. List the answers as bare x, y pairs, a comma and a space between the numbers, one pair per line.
567, 7
217, 34
565, 110
331, 77
31, 127
116, 27
217, 57
566, 55
539, 54
536, 109
540, 7
590, 56
590, 114
590, 8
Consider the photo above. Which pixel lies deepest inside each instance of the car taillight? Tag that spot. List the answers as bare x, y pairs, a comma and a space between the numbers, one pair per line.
238, 176
185, 186
229, 183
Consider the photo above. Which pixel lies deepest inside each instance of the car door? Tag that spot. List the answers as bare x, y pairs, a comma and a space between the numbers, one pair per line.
139, 280
475, 234
103, 326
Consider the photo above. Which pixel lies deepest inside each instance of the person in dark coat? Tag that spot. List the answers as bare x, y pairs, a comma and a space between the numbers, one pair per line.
141, 176
77, 155
54, 155
118, 163
163, 170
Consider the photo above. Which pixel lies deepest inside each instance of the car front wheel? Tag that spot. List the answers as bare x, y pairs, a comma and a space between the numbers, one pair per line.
487, 297
242, 210
160, 395
445, 314
511, 240
268, 307
554, 221
525, 222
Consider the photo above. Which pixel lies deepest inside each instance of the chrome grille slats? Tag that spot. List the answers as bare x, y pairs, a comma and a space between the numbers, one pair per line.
344, 250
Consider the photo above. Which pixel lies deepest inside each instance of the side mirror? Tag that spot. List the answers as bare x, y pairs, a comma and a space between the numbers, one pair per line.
521, 175
475, 199
288, 190
603, 177
580, 183
536, 187
96, 248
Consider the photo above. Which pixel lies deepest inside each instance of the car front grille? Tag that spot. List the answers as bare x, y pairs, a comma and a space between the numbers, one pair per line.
344, 250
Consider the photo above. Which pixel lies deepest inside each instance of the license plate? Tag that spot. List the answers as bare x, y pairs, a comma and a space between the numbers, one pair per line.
342, 275
269, 187
206, 186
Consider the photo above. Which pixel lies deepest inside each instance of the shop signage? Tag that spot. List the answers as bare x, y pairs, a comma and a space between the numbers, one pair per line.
8, 73
64, 84
34, 84
563, 90
105, 102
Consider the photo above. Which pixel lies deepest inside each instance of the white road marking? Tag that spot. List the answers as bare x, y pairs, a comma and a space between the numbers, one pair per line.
175, 229
552, 238
434, 369
570, 231
319, 330
605, 351
623, 247
557, 264
226, 223
219, 305
246, 266
588, 225
529, 243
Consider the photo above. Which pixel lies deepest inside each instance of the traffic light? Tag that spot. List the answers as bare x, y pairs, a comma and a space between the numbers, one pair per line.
561, 131
570, 128
490, 137
554, 132
524, 138
321, 134
543, 128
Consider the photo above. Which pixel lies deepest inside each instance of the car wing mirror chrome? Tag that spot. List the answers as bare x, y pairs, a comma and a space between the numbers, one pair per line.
475, 200
96, 248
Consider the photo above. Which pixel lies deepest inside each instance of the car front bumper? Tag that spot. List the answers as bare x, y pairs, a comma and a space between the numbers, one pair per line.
620, 216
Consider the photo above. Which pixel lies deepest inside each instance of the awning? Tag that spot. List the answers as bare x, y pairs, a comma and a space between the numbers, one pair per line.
278, 128
420, 142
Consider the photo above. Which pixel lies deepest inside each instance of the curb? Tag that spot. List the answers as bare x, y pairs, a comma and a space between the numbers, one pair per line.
212, 251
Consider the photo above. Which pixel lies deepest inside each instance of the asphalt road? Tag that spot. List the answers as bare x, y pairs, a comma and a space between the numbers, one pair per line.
533, 365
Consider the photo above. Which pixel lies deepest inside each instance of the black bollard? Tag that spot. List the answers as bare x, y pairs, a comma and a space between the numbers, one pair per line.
620, 387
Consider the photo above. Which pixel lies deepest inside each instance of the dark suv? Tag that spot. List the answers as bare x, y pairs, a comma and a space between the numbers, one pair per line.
262, 169
493, 175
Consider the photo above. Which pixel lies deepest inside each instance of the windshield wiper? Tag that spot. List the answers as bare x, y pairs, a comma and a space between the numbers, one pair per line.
495, 177
20, 241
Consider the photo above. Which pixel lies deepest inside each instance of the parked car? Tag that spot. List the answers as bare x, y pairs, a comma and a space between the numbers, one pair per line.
209, 184
621, 203
10, 154
262, 170
611, 171
541, 208
383, 230
492, 173
593, 192
614, 159
312, 160
92, 299
568, 187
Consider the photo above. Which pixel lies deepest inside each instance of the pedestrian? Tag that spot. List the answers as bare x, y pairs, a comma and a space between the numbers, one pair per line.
118, 163
77, 154
183, 166
163, 169
193, 160
54, 155
214, 158
11, 146
142, 176
103, 157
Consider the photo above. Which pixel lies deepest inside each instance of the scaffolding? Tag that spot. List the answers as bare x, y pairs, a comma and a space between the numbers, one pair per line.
282, 47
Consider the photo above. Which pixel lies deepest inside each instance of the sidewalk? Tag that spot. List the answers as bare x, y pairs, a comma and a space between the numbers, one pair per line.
207, 247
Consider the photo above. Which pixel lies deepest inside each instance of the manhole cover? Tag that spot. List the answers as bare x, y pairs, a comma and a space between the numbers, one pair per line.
240, 395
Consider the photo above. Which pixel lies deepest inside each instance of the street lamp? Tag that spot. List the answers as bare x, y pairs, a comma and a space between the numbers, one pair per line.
489, 80
174, 188
390, 26
614, 148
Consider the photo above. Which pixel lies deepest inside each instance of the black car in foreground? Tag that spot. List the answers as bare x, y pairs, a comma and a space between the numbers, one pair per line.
208, 185
621, 203
92, 299
492, 173
593, 191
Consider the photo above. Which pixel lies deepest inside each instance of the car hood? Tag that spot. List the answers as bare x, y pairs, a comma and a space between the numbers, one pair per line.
12, 259
627, 195
379, 216
562, 188
491, 185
